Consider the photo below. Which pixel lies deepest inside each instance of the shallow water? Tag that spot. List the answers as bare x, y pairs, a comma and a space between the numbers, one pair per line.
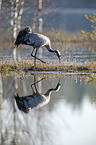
70, 56
68, 118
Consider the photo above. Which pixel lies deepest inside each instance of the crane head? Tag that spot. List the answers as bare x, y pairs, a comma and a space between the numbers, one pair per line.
59, 55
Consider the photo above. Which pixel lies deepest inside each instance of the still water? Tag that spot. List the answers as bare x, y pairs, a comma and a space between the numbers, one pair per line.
55, 110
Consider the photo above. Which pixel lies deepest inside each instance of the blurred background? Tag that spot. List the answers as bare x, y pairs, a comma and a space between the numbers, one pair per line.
44, 16
57, 19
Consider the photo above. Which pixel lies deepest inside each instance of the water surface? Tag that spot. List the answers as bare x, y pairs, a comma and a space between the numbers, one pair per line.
67, 118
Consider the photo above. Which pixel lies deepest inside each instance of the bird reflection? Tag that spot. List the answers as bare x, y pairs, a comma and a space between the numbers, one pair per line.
26, 103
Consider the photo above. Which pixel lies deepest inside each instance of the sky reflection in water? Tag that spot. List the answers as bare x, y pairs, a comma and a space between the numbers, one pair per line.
68, 118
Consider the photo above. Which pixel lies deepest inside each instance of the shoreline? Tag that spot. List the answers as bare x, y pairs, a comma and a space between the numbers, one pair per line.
27, 66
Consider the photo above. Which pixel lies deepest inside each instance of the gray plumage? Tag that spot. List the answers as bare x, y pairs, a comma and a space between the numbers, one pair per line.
27, 37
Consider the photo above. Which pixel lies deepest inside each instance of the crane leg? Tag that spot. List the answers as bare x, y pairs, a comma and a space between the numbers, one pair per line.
32, 51
36, 57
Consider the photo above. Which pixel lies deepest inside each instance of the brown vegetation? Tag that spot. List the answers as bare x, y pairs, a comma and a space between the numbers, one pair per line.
27, 65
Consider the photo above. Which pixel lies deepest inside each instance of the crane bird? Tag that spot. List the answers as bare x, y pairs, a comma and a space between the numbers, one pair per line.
27, 37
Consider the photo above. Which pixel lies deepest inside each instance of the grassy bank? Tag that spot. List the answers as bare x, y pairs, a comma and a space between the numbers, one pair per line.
27, 65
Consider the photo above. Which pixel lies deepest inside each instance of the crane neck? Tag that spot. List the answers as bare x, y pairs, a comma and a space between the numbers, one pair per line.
48, 93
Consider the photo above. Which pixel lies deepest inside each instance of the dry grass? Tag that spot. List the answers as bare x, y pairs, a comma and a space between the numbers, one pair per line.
27, 65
